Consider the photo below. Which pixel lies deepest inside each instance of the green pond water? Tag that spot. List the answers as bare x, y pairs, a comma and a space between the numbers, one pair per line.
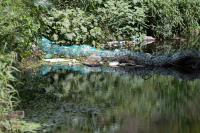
117, 99
110, 102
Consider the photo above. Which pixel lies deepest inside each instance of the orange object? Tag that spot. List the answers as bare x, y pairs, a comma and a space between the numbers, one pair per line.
134, 42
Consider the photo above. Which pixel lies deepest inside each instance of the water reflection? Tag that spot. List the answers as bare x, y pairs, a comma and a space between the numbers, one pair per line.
178, 72
132, 104
160, 104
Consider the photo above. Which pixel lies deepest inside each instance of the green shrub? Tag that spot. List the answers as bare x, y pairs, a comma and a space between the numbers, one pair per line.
110, 20
99, 21
17, 26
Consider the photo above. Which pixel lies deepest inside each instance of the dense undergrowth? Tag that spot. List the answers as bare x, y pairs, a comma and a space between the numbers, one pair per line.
89, 22
98, 21
8, 100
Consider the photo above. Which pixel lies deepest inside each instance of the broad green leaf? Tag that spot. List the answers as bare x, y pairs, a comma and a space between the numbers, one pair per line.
63, 31
84, 29
69, 36
55, 37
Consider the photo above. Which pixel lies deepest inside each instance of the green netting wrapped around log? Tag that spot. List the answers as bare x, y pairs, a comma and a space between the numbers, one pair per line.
185, 58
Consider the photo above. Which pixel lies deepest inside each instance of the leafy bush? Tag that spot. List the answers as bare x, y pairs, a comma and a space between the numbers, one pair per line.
17, 26
109, 20
99, 21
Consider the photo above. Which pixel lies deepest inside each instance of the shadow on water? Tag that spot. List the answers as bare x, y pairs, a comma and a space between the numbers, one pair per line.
117, 99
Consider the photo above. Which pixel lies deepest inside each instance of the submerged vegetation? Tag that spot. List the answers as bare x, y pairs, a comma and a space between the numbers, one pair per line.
92, 22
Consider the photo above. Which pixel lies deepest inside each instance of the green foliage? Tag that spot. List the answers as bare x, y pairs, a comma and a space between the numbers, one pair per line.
29, 54
167, 18
17, 26
63, 4
110, 20
7, 99
117, 20
93, 21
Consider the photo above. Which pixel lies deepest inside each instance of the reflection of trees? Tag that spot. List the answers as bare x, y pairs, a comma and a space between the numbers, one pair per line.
160, 95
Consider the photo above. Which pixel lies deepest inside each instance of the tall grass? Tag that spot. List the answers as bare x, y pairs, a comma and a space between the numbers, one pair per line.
7, 99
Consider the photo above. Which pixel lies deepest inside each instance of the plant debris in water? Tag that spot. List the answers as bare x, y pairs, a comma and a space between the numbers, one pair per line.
52, 115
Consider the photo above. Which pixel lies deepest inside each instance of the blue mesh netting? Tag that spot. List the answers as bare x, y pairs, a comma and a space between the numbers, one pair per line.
73, 51
188, 57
